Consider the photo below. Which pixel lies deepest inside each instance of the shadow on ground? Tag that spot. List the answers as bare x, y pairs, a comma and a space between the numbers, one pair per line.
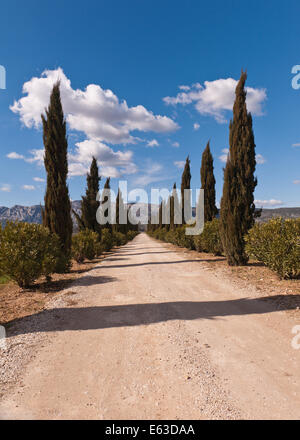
103, 317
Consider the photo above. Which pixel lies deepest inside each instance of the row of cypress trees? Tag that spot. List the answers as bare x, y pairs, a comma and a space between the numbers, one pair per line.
237, 211
56, 214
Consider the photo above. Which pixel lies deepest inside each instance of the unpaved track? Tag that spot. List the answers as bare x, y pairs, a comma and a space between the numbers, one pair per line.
151, 334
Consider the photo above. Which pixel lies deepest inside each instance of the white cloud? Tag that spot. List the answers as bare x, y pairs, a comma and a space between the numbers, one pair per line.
14, 155
5, 187
36, 156
152, 173
268, 203
260, 159
175, 144
216, 97
153, 143
28, 187
111, 163
223, 157
196, 126
296, 145
38, 179
179, 164
296, 182
94, 111
185, 88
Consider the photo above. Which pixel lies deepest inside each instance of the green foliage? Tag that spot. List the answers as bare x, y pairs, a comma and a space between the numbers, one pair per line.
208, 183
131, 235
210, 239
27, 251
89, 203
276, 244
119, 239
175, 236
106, 239
237, 204
85, 245
57, 211
185, 183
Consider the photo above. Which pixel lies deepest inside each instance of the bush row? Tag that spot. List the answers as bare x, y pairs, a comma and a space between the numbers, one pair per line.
28, 251
275, 243
86, 244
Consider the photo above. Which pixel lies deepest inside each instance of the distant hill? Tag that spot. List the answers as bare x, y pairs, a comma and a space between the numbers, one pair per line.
32, 214
29, 214
267, 214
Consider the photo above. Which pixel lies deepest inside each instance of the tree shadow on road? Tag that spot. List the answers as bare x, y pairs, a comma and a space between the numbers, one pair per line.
91, 318
154, 263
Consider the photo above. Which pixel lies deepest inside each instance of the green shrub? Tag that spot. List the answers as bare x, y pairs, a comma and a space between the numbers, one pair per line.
277, 245
131, 235
210, 239
106, 239
27, 251
85, 245
119, 239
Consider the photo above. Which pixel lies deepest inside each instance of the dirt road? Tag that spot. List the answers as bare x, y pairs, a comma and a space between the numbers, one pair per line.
151, 333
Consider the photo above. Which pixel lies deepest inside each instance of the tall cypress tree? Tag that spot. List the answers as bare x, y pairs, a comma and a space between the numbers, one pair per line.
57, 211
105, 200
185, 183
120, 206
237, 204
172, 208
208, 183
89, 203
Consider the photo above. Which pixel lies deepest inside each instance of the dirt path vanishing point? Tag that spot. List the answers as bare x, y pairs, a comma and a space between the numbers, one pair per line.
152, 334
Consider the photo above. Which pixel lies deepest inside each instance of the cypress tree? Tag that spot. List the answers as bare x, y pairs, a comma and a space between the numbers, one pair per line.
208, 183
89, 203
185, 184
105, 200
160, 216
57, 211
119, 207
237, 204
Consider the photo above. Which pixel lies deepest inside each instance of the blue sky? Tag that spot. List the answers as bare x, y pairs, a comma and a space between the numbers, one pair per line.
108, 52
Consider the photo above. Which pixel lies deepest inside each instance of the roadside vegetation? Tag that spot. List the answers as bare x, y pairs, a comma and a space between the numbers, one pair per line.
234, 234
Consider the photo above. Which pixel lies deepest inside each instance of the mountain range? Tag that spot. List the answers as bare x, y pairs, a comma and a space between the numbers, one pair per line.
32, 214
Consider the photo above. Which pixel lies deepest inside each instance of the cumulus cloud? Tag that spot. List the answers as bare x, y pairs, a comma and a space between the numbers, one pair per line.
38, 179
296, 145
260, 159
14, 155
196, 126
175, 144
185, 88
153, 143
28, 187
5, 187
179, 164
112, 163
223, 157
268, 203
216, 97
296, 182
94, 111
152, 173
